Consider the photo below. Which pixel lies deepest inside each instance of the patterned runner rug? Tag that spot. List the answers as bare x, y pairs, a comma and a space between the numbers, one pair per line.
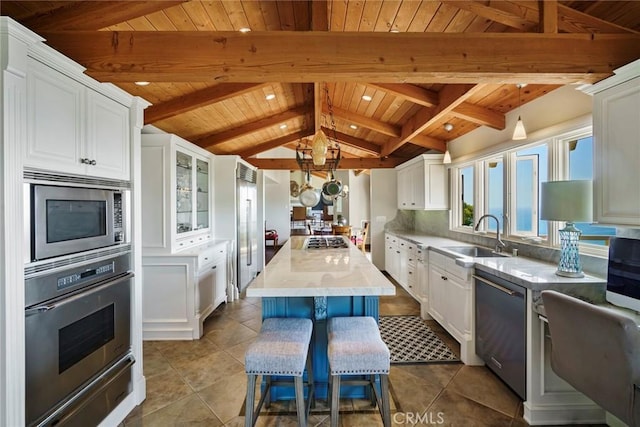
410, 340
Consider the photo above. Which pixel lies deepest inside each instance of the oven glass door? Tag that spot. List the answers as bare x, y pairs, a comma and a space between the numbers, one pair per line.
70, 341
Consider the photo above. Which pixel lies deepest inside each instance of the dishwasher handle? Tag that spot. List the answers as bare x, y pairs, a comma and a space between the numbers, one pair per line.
495, 285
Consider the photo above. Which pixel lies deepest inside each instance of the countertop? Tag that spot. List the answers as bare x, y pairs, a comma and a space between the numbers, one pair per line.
298, 272
529, 273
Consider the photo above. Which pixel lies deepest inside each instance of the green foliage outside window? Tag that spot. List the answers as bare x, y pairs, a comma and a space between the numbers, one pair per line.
467, 214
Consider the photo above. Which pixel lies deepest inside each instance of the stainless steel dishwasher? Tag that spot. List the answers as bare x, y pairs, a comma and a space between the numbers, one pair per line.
501, 327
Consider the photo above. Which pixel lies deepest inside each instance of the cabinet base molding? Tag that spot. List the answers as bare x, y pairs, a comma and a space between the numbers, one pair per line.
561, 414
168, 334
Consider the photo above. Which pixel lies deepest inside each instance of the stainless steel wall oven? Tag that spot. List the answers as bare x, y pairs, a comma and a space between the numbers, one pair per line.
78, 343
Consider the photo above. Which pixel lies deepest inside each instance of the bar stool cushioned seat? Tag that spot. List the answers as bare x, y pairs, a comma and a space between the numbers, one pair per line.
355, 347
281, 348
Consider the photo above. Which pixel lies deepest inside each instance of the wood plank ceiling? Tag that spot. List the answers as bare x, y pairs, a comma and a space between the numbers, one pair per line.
420, 64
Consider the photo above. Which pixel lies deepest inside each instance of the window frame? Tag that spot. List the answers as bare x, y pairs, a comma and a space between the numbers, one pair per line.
557, 169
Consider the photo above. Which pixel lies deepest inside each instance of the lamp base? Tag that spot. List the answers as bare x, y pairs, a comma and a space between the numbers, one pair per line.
569, 273
569, 265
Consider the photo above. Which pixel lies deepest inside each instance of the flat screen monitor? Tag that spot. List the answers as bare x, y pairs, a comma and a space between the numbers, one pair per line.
623, 275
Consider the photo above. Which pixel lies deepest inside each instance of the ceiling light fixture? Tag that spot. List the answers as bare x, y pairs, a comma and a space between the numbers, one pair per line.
519, 131
244, 29
270, 96
324, 153
354, 127
447, 156
366, 97
142, 83
283, 126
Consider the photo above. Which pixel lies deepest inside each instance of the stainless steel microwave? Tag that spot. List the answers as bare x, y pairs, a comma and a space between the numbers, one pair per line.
64, 220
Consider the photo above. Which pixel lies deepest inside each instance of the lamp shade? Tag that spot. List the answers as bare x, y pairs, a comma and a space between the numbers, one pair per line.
570, 201
519, 132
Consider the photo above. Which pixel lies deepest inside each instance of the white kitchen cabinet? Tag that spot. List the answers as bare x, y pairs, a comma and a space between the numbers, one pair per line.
422, 183
392, 256
450, 298
72, 128
181, 290
616, 129
176, 197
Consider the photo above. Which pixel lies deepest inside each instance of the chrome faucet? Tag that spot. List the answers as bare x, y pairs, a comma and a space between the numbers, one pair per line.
499, 243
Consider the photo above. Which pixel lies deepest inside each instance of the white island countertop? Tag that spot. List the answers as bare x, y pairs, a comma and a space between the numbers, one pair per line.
298, 272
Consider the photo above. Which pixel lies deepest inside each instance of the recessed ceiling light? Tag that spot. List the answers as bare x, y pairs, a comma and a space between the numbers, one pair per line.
270, 97
353, 126
283, 126
142, 83
244, 29
366, 97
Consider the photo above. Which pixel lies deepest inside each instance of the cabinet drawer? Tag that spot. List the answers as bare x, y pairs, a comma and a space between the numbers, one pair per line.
214, 255
463, 273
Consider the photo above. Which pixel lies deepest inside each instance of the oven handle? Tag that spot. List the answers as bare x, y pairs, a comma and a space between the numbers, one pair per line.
125, 363
47, 307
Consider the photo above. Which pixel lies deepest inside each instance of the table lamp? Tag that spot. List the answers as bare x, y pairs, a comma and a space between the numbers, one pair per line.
570, 201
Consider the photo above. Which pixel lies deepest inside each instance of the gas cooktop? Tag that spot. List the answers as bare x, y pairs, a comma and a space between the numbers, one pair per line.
325, 242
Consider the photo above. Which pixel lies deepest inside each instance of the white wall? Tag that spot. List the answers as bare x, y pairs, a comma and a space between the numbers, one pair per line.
560, 105
276, 203
384, 202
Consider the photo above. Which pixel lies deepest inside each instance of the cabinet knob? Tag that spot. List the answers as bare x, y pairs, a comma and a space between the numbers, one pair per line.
92, 162
214, 267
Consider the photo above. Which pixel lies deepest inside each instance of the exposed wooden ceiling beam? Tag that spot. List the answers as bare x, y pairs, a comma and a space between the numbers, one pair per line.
480, 115
94, 15
549, 16
318, 96
415, 94
494, 13
284, 56
364, 121
572, 20
274, 143
319, 15
568, 19
345, 163
210, 141
450, 97
358, 143
197, 99
427, 98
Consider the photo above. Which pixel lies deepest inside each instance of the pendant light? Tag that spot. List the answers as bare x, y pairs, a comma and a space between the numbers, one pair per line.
447, 156
519, 132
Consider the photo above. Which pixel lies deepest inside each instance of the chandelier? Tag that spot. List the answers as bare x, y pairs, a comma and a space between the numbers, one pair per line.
323, 154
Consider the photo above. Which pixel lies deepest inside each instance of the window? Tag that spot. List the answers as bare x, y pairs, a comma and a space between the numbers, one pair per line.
531, 166
466, 196
507, 184
494, 190
581, 167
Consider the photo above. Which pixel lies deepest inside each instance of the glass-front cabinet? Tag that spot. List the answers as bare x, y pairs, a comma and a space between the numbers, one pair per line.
192, 193
176, 199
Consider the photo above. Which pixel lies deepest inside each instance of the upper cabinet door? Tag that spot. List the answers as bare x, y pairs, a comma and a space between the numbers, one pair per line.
55, 130
73, 129
107, 137
617, 154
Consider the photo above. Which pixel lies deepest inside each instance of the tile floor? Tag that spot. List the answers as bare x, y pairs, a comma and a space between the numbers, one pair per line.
202, 382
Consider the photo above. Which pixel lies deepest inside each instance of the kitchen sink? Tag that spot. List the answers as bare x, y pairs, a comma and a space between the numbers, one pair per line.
474, 251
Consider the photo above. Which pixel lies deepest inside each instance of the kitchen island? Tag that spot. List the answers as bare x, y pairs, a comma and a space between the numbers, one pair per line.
319, 283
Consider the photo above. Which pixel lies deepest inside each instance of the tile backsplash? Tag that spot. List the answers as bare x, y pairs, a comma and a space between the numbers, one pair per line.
436, 223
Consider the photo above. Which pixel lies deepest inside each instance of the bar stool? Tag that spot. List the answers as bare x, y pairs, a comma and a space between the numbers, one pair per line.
356, 348
282, 349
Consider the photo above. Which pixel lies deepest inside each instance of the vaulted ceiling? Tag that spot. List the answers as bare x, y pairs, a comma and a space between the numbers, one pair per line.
420, 63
